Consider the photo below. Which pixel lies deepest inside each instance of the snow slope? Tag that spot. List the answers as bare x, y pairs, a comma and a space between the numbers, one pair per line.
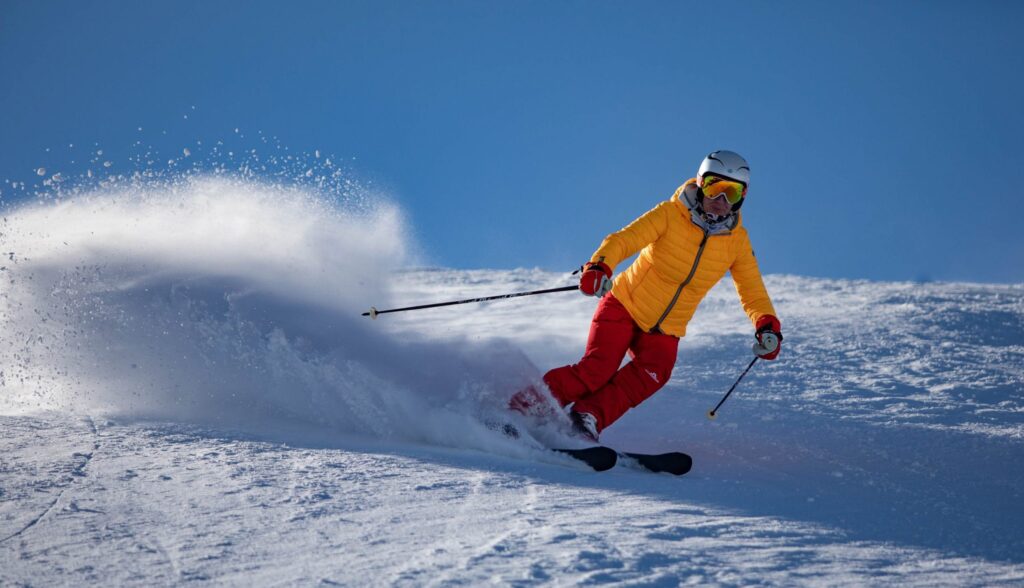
189, 393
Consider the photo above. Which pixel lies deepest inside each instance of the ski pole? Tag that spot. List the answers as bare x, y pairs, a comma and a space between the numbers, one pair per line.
713, 411
373, 312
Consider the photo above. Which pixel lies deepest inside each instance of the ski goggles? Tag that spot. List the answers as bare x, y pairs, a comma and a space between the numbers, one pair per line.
714, 186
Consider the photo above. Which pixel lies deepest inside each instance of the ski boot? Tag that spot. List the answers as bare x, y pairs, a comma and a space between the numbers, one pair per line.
584, 425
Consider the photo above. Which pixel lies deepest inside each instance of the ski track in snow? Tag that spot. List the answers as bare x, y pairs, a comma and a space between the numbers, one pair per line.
166, 421
169, 504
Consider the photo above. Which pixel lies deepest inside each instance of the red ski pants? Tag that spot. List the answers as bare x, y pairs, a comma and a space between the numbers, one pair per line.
596, 384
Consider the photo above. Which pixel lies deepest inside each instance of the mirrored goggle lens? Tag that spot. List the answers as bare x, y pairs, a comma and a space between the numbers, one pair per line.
713, 187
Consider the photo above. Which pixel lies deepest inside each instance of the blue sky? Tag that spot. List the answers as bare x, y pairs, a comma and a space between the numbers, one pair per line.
885, 138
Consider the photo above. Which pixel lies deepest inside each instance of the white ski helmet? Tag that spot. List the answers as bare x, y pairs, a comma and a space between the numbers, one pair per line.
726, 164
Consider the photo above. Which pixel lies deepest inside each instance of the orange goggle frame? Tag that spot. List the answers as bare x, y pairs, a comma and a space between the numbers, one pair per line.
714, 186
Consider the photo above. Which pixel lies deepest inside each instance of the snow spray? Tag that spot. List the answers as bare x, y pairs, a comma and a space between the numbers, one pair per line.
228, 301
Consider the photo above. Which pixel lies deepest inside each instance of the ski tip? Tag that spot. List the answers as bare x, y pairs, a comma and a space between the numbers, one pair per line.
675, 463
680, 464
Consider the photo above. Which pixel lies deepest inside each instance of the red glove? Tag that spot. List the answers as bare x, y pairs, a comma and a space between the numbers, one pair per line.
769, 337
596, 279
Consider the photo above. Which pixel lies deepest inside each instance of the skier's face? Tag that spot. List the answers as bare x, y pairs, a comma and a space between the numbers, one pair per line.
720, 194
717, 206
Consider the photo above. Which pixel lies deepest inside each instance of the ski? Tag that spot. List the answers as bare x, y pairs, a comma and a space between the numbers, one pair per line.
600, 458
675, 462
603, 458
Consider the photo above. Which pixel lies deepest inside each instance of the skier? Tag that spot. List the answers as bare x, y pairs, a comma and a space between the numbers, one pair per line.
686, 246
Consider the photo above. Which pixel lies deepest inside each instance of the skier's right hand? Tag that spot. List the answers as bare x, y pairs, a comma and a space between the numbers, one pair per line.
596, 279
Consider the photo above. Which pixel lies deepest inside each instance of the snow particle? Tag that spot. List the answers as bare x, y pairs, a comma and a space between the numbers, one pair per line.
41, 171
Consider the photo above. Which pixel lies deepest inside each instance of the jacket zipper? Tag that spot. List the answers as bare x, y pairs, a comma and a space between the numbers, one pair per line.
700, 251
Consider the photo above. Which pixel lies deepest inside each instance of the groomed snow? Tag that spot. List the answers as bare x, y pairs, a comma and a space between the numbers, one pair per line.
189, 393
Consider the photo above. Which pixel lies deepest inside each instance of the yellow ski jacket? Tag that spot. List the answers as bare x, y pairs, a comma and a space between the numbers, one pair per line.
681, 258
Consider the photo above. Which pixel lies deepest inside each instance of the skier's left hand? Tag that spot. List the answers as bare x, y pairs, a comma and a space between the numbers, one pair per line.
769, 337
596, 279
